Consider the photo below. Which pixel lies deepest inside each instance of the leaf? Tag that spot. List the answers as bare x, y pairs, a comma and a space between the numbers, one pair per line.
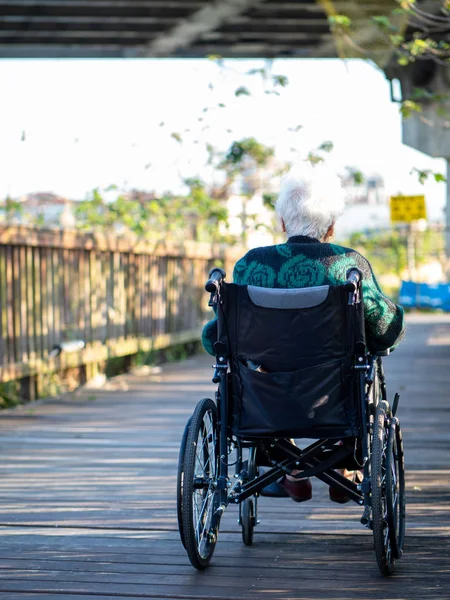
341, 22
176, 136
406, 4
314, 158
384, 23
404, 61
422, 174
242, 91
356, 175
262, 72
221, 105
397, 39
214, 57
280, 80
326, 146
438, 177
408, 107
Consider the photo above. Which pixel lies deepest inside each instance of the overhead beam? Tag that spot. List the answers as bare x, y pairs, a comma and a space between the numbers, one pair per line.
62, 51
205, 20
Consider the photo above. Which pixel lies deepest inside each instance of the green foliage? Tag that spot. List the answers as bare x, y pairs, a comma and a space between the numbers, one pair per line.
409, 107
196, 216
326, 146
242, 91
339, 23
424, 174
314, 158
280, 80
385, 250
384, 23
11, 209
269, 200
357, 176
248, 148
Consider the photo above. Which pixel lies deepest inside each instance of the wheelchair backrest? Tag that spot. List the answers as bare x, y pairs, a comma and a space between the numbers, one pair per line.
288, 329
304, 341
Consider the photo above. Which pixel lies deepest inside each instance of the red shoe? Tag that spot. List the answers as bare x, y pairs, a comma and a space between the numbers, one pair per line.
337, 495
299, 491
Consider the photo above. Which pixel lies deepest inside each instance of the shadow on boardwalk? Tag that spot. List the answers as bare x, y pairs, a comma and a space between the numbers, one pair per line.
88, 497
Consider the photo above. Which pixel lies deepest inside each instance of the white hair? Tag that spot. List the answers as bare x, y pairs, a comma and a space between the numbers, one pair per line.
310, 200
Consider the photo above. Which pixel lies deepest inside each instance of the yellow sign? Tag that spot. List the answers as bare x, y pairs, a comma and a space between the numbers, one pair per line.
405, 209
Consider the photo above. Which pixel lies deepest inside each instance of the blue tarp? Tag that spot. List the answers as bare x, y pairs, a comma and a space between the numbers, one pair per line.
425, 295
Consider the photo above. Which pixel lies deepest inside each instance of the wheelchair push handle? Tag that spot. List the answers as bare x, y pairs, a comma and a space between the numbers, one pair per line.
353, 279
216, 276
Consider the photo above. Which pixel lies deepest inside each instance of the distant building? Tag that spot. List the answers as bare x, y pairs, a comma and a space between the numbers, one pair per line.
45, 208
370, 191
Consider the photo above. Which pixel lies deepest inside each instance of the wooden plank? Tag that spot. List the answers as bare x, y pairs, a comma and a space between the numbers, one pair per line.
3, 308
37, 303
45, 300
21, 279
82, 278
57, 296
30, 293
10, 306
94, 277
16, 274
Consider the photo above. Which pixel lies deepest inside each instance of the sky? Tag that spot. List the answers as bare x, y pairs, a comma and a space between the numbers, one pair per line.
68, 126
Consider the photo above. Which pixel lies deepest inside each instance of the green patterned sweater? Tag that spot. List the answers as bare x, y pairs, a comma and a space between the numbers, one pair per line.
306, 262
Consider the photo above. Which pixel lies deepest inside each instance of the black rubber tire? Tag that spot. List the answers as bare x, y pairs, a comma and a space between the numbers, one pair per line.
248, 521
395, 489
180, 478
200, 496
381, 537
248, 506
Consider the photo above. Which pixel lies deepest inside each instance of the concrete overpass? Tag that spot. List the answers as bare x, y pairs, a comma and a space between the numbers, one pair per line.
178, 28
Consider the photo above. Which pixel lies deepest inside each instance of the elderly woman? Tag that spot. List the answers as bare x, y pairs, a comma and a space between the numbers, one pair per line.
309, 203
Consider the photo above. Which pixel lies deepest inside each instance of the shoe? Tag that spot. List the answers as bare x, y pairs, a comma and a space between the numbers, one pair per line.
337, 495
299, 491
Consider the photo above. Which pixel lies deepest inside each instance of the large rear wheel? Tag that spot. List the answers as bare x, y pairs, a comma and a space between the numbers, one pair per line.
381, 531
200, 501
395, 488
180, 481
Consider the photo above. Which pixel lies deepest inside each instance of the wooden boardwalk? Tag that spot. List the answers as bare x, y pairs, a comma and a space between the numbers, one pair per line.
87, 497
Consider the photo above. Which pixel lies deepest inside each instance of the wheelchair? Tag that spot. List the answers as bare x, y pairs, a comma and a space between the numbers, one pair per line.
320, 383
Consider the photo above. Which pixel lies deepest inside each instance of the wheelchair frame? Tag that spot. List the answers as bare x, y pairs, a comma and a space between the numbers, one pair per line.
381, 491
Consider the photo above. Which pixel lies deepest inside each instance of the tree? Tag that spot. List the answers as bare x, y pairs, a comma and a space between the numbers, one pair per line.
408, 41
12, 210
195, 216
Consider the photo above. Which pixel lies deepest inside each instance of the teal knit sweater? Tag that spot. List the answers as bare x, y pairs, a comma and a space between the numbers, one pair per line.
306, 262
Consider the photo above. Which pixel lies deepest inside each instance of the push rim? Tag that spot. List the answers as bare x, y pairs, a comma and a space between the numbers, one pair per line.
200, 497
